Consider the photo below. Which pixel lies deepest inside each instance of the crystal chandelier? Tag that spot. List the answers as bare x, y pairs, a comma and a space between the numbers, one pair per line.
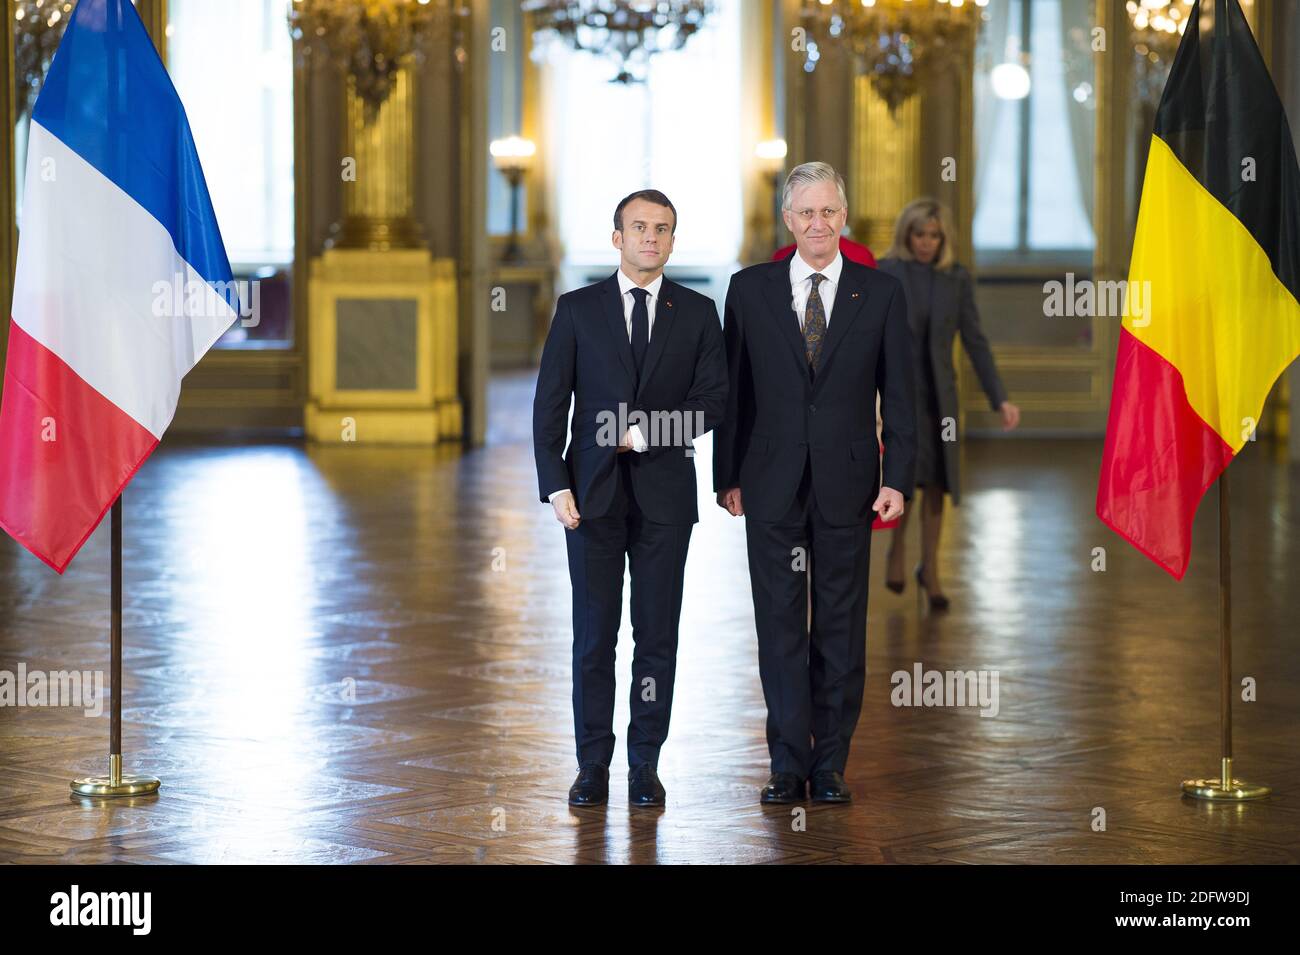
895, 41
629, 33
370, 40
38, 27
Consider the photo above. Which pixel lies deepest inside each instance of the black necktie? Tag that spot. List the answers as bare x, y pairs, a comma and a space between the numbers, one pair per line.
640, 327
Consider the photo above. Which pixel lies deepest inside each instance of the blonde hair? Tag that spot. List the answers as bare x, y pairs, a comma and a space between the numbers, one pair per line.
915, 215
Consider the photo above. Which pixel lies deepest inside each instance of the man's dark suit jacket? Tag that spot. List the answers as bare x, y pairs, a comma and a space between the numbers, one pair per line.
588, 356
778, 414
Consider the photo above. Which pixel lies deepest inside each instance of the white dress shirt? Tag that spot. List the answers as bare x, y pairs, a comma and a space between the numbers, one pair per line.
801, 285
625, 286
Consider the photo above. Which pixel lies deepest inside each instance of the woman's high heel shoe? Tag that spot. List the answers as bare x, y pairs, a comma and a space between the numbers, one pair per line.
937, 601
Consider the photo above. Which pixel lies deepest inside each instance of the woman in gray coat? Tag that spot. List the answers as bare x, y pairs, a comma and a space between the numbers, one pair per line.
940, 304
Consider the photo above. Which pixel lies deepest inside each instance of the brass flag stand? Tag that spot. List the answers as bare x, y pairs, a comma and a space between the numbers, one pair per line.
116, 783
1224, 787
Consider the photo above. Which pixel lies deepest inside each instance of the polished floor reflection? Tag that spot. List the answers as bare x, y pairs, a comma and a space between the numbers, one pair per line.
361, 655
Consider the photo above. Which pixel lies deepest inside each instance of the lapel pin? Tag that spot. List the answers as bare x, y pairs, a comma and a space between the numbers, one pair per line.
854, 295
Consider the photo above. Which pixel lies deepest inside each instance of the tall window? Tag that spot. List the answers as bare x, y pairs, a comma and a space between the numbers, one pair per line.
232, 64
505, 115
1034, 128
679, 132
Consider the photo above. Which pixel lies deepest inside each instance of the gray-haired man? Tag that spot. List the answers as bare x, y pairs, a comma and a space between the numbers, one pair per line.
810, 339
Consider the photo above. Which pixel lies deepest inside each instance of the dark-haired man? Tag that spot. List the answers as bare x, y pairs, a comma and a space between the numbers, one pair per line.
642, 360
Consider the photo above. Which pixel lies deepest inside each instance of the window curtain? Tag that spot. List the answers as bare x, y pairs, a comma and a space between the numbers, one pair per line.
1077, 18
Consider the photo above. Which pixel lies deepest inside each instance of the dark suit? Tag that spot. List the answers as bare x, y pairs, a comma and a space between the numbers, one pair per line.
802, 449
637, 507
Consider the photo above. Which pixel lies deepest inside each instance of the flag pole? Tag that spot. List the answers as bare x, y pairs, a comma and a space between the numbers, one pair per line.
116, 783
1224, 787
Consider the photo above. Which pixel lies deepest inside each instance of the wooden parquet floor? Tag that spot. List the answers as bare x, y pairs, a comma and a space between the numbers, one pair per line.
360, 655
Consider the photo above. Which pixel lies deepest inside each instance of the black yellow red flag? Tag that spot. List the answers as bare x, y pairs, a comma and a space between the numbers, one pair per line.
1211, 316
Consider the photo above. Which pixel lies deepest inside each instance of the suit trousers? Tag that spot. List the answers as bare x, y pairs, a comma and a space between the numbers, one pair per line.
813, 677
599, 549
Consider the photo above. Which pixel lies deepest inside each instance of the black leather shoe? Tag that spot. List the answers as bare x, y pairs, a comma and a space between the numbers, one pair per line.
783, 788
643, 787
829, 786
591, 788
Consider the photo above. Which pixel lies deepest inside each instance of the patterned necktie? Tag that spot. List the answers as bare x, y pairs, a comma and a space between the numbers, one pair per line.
640, 327
814, 323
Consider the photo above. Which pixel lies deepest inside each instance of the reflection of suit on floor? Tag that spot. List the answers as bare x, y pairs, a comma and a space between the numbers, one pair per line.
634, 507
802, 448
941, 304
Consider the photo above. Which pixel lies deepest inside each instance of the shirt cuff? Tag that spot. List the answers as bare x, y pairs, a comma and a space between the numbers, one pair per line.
638, 441
554, 494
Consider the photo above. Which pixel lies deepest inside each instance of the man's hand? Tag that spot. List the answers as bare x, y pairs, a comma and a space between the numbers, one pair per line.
1010, 415
889, 504
566, 510
730, 501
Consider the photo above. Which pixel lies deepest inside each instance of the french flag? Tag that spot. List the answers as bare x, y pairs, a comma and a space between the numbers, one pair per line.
122, 282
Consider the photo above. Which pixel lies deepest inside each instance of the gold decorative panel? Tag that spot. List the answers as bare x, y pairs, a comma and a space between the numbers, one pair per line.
383, 361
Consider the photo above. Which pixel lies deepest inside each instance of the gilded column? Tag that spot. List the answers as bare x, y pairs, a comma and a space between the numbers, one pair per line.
886, 166
377, 206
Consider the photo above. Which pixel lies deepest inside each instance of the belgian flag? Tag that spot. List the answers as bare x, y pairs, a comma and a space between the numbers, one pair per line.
1218, 247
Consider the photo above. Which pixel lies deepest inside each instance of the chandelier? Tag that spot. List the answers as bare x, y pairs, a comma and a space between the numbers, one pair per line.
38, 27
895, 42
371, 40
1157, 27
629, 33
